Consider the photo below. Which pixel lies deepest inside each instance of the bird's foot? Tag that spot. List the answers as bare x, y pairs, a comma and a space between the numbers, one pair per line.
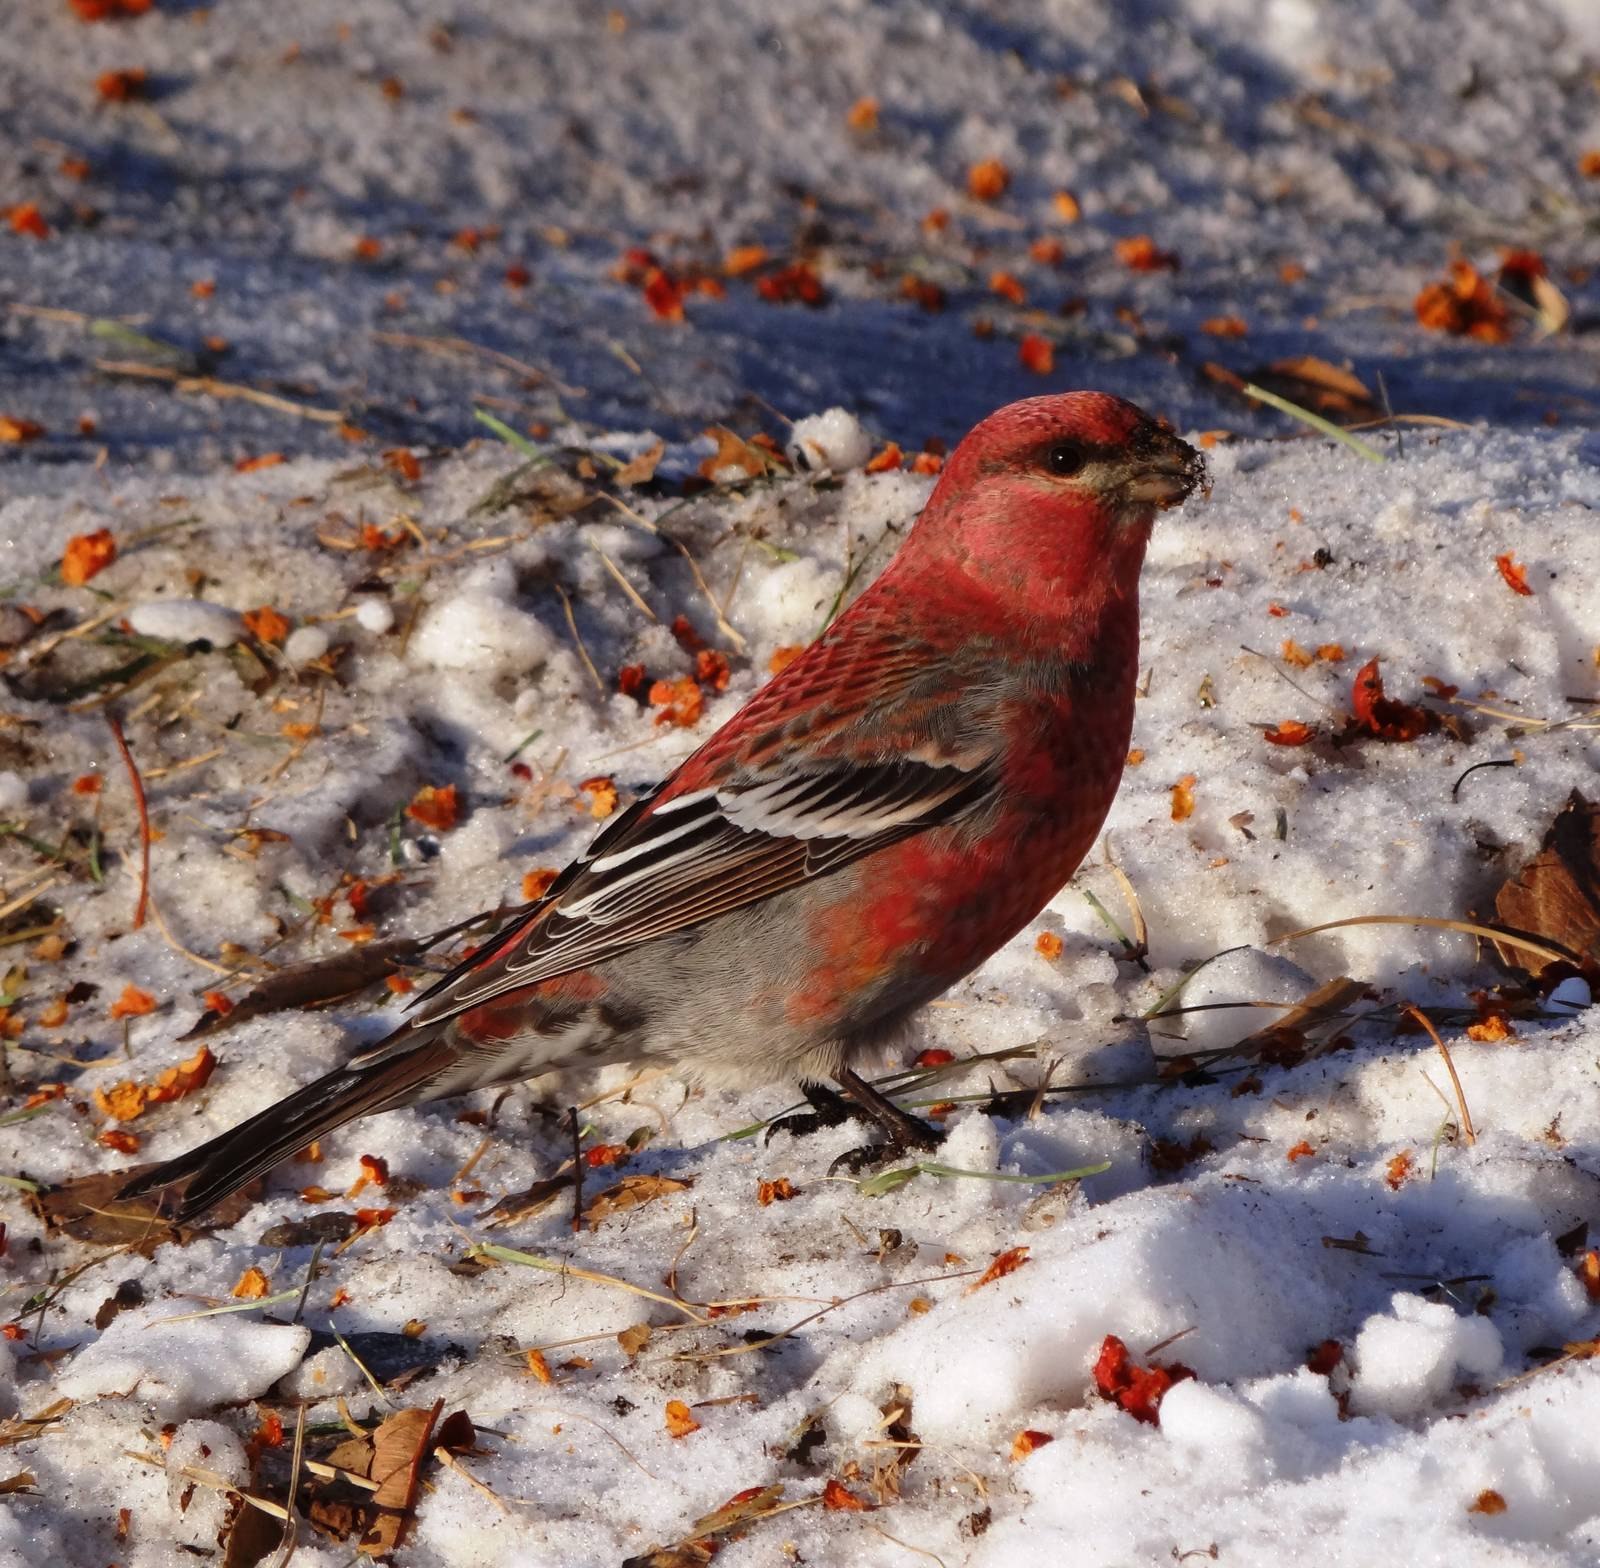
828, 1109
914, 1138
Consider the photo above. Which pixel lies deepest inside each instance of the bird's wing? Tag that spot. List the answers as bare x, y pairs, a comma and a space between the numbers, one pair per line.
781, 795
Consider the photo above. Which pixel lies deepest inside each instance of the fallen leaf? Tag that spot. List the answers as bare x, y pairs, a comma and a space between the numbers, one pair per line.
641, 468
1588, 1270
631, 1192
535, 884
87, 555
1183, 798
1140, 253
863, 115
798, 282
1037, 353
1465, 305
988, 180
1557, 894
14, 431
312, 984
184, 1078
1516, 576
252, 1285
25, 218
1005, 1263
711, 669
734, 458
88, 1209
436, 807
1027, 1442
779, 1190
681, 701
133, 1003
838, 1498
265, 624
1290, 732
1319, 385
123, 86
602, 793
1385, 717
679, 1421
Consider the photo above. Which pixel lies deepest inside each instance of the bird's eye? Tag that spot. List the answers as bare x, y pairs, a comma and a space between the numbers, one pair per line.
1064, 459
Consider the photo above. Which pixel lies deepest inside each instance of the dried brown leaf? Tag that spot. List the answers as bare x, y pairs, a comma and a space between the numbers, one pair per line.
1557, 894
631, 1193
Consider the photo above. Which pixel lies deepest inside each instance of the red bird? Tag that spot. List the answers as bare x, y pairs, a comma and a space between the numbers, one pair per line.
878, 819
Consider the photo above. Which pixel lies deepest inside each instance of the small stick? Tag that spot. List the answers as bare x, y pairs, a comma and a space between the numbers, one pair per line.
583, 653
144, 818
1450, 1067
623, 583
291, 1527
577, 1171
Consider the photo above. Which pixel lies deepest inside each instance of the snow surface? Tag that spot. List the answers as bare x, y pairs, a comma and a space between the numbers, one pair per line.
1362, 143
1229, 1252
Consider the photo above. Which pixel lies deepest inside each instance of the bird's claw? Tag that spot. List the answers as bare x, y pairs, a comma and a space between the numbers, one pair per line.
917, 1137
828, 1109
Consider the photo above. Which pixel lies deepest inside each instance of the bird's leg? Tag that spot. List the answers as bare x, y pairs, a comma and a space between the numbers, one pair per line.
902, 1130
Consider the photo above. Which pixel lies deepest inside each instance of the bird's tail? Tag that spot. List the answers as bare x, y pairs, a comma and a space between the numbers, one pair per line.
399, 1071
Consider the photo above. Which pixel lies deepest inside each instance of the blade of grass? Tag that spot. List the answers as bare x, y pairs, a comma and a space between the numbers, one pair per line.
512, 438
1316, 421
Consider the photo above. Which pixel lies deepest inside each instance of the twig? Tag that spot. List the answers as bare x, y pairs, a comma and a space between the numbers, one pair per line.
1450, 1067
583, 653
209, 386
1544, 950
921, 1551
1388, 409
445, 1457
144, 818
745, 1348
291, 1524
723, 623
577, 1170
464, 348
623, 583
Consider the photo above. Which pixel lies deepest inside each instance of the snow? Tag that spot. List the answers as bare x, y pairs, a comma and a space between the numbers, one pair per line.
444, 632
834, 439
1444, 1284
178, 1368
187, 620
1411, 1356
307, 644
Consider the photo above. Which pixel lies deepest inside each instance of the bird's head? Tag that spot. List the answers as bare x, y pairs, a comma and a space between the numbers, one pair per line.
1051, 500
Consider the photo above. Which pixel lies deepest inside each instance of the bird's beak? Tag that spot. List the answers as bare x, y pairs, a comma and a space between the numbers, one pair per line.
1163, 470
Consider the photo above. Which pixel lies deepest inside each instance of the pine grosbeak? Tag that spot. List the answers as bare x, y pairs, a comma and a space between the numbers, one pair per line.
878, 819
